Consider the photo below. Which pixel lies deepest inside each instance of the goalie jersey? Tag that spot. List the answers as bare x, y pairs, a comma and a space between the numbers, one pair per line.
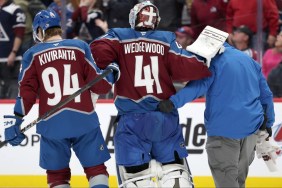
51, 71
149, 63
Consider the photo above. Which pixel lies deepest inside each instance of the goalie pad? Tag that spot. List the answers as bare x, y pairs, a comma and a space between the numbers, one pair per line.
176, 175
209, 43
141, 179
157, 175
267, 149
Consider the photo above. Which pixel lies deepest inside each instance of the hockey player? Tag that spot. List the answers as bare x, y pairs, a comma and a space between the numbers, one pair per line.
237, 97
52, 70
148, 143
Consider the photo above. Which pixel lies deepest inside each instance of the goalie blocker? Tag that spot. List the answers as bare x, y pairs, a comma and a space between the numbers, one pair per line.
209, 43
268, 150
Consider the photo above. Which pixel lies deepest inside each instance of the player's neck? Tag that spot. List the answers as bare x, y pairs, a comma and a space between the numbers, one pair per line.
56, 37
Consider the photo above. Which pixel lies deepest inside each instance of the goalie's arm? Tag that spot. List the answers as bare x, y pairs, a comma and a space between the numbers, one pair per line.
209, 43
185, 66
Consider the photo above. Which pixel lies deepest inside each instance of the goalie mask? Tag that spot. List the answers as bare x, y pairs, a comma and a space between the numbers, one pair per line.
144, 16
44, 19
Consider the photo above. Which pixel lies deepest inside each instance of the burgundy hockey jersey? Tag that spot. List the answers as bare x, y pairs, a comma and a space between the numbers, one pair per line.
149, 63
52, 71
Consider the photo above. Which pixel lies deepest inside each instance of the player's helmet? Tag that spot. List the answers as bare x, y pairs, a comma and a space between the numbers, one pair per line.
44, 19
144, 15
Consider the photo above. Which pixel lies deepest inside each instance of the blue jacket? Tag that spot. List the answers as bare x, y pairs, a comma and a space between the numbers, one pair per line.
236, 95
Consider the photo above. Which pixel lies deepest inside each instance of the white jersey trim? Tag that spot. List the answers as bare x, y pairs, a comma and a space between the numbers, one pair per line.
70, 109
138, 100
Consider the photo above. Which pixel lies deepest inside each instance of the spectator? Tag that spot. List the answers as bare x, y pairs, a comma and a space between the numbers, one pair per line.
34, 6
207, 12
242, 12
272, 57
116, 12
30, 8
12, 20
279, 6
171, 13
57, 7
242, 40
184, 36
89, 16
47, 2
274, 80
185, 18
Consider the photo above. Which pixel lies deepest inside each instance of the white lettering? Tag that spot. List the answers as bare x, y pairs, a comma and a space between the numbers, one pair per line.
57, 55
136, 47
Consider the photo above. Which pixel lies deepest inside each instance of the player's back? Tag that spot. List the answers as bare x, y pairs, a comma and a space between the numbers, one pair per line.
149, 62
60, 69
56, 70
144, 65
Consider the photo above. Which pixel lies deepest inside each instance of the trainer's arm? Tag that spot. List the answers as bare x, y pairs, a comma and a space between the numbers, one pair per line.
192, 90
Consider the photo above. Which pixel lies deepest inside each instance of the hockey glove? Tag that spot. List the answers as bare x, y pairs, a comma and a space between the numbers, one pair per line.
166, 106
264, 127
269, 131
12, 130
116, 72
268, 150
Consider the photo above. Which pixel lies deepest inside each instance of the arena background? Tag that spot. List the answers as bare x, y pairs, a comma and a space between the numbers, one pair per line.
19, 165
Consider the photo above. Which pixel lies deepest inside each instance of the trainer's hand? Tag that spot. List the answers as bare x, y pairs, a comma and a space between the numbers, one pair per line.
12, 130
264, 127
269, 131
166, 106
116, 72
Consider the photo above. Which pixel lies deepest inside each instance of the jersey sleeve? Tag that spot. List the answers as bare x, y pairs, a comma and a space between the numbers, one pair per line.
185, 65
105, 49
19, 19
28, 86
92, 71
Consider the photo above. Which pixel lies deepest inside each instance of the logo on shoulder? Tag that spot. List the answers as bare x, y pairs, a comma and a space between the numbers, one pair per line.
102, 147
178, 45
143, 33
52, 15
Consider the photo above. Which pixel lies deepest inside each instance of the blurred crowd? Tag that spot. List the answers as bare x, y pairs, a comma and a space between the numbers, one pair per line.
254, 27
